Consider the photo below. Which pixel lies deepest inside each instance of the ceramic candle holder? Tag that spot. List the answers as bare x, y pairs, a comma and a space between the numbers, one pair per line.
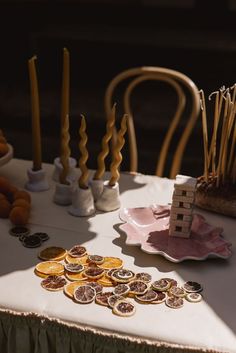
72, 175
97, 188
37, 180
110, 198
82, 203
63, 194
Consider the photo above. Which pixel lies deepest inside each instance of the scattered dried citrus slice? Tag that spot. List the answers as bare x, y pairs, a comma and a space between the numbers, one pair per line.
173, 282
122, 275
143, 276
77, 251
94, 272
137, 287
83, 260
192, 287
194, 297
75, 268
52, 253
71, 287
84, 294
113, 299
50, 268
121, 289
148, 297
124, 308
53, 283
97, 259
102, 298
105, 281
174, 302
98, 287
76, 276
177, 292
161, 285
161, 297
111, 262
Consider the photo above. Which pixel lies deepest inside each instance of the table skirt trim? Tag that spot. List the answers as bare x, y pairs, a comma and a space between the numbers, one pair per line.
45, 335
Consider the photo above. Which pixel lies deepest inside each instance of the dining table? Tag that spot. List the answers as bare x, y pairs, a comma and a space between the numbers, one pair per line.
33, 319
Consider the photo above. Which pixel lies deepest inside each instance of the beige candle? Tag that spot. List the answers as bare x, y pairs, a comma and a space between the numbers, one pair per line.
117, 156
105, 145
36, 133
83, 179
65, 86
65, 151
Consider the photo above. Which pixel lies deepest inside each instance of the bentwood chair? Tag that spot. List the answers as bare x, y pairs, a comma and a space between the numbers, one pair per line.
180, 83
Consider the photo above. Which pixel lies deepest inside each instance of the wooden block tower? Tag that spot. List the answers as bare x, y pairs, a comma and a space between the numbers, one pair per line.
182, 206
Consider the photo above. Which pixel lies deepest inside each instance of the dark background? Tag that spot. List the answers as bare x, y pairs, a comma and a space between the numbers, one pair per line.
197, 38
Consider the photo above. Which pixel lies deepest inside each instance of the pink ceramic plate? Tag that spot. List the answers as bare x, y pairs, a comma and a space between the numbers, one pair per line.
148, 227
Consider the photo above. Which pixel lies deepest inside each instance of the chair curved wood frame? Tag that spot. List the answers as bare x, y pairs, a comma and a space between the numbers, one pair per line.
172, 77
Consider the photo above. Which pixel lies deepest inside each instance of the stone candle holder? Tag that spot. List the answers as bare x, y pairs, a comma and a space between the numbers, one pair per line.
72, 175
96, 187
82, 203
109, 200
37, 180
63, 194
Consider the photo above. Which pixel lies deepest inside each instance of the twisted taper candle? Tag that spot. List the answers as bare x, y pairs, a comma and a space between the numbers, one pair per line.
117, 156
65, 151
84, 155
105, 146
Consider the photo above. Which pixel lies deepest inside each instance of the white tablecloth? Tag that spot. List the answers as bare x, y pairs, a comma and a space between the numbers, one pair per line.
208, 325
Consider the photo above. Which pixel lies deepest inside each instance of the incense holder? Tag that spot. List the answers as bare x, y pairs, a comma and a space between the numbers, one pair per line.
72, 175
37, 180
96, 187
109, 199
82, 203
63, 194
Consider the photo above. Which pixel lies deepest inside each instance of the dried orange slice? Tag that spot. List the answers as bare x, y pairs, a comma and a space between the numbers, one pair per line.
102, 298
77, 251
177, 292
97, 286
71, 287
52, 253
94, 272
124, 308
53, 283
111, 262
83, 260
49, 268
161, 297
121, 289
137, 287
122, 275
84, 294
74, 268
161, 285
105, 281
76, 276
194, 297
147, 297
192, 287
174, 302
143, 276
96, 259
114, 299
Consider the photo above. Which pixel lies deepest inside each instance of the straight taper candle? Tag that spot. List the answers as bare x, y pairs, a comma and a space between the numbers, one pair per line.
65, 86
36, 133
117, 156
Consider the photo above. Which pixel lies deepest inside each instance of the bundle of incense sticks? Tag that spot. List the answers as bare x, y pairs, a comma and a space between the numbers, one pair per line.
220, 149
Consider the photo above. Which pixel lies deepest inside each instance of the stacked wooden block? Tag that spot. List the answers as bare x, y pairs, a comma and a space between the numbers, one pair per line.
181, 213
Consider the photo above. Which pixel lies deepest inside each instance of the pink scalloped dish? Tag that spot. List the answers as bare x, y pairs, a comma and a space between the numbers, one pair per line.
148, 227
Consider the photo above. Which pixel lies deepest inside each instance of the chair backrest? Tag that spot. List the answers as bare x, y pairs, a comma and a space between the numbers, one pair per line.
175, 79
